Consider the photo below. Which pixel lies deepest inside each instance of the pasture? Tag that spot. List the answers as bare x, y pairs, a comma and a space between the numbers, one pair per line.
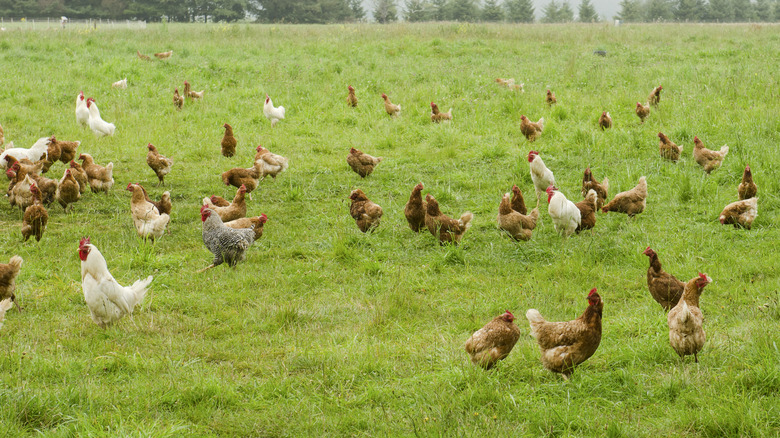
326, 331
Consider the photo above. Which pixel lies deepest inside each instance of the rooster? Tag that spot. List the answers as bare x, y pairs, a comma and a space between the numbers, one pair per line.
518, 225
567, 344
96, 123
270, 164
35, 216
351, 98
414, 210
550, 99
605, 120
565, 215
82, 112
108, 301
665, 288
740, 213
274, 114
366, 213
227, 244
363, 164
100, 178
159, 164
642, 111
149, 222
163, 55
630, 202
655, 96
120, 84
438, 116
531, 130
590, 183
178, 100
747, 188
667, 148
686, 335
540, 174
228, 142
442, 226
391, 108
708, 159
494, 341
8, 273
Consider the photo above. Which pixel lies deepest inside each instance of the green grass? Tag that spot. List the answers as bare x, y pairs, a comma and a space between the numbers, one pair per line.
325, 331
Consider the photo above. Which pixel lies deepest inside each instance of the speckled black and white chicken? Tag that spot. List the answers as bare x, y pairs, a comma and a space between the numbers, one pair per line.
227, 244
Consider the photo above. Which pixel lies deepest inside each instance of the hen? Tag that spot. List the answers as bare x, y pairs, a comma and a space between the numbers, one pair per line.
438, 116
100, 178
655, 96
227, 244
270, 164
164, 205
708, 159
163, 55
740, 213
510, 83
567, 344
494, 341
414, 210
518, 225
35, 217
82, 112
351, 98
274, 114
96, 123
747, 188
565, 215
642, 111
550, 99
120, 84
148, 221
229, 142
64, 151
236, 209
47, 188
667, 148
142, 56
68, 190
247, 177
631, 202
590, 183
256, 223
8, 273
588, 208
5, 305
517, 202
391, 108
365, 212
190, 94
107, 300
159, 164
80, 175
178, 100
605, 120
20, 195
531, 130
664, 287
362, 164
686, 334
442, 226
540, 174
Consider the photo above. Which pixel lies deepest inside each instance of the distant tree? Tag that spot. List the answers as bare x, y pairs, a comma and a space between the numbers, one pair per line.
721, 11
439, 10
520, 11
587, 13
463, 10
658, 10
418, 10
565, 13
776, 10
550, 13
229, 10
689, 10
385, 11
762, 10
630, 11
743, 11
492, 11
358, 13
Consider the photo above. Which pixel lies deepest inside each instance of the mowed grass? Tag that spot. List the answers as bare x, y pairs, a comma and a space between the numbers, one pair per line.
325, 331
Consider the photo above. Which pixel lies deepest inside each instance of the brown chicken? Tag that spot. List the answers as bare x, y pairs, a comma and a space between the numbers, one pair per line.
740, 213
351, 98
631, 202
442, 226
142, 56
20, 194
391, 108
47, 188
686, 334
362, 164
747, 188
247, 177
80, 175
163, 55
66, 149
8, 273
550, 99
365, 212
164, 205
219, 201
100, 178
518, 225
642, 111
414, 210
517, 202
189, 94
588, 208
236, 209
655, 96
510, 83
228, 142
270, 163
25, 166
664, 287
708, 159
601, 188
159, 164
178, 100
256, 223
68, 190
667, 148
438, 116
567, 344
531, 130
605, 120
494, 341
35, 216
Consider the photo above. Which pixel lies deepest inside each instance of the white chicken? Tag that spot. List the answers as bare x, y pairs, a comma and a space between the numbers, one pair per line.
5, 305
120, 84
540, 174
565, 215
270, 164
274, 114
149, 223
82, 112
36, 152
108, 301
96, 123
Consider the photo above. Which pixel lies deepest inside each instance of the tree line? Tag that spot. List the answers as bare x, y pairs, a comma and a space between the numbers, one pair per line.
385, 11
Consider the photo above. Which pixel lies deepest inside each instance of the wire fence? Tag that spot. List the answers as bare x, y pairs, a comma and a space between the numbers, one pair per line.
65, 23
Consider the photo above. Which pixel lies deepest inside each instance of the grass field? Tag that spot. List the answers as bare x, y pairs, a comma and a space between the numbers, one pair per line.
325, 331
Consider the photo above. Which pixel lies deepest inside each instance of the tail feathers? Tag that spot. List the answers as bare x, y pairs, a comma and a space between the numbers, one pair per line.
535, 319
724, 150
139, 290
6, 304
281, 109
161, 224
207, 202
16, 262
605, 184
465, 219
110, 169
541, 122
591, 197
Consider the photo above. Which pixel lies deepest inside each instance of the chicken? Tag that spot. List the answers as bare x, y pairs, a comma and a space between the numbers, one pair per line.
601, 188
274, 114
631, 202
414, 210
23, 167
391, 108
270, 164
227, 244
565, 345
605, 120
239, 176
438, 116
518, 225
550, 99
163, 55
164, 204
510, 83
587, 208
8, 273
82, 112
80, 175
5, 305
35, 153
228, 142
667, 148
149, 222
747, 188
47, 188
96, 123
708, 159
219, 201
664, 287
35, 217
565, 215
120, 84
189, 94
236, 209
68, 190
20, 195
142, 56
365, 212
655, 96
362, 164
494, 341
159, 164
518, 203
686, 334
107, 300
100, 178
442, 226
531, 130
178, 100
64, 151
642, 111
740, 213
351, 98
540, 174
256, 223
